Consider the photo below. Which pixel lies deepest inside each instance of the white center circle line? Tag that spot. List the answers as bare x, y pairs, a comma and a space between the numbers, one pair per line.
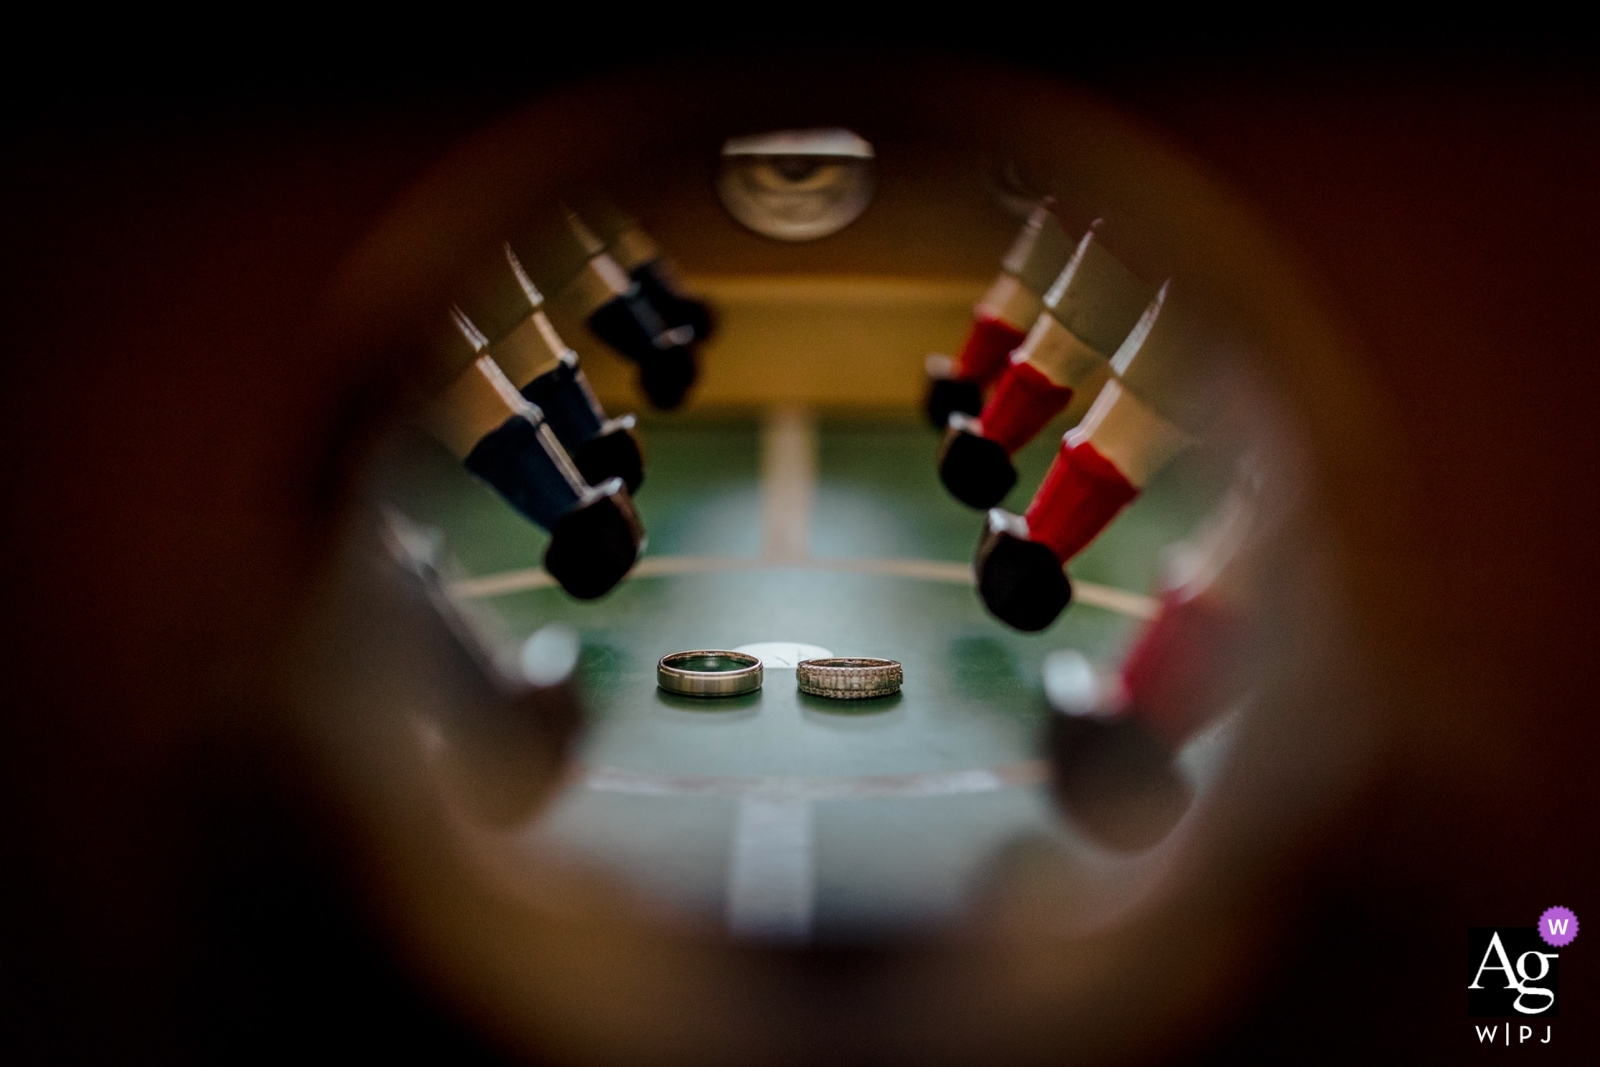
783, 655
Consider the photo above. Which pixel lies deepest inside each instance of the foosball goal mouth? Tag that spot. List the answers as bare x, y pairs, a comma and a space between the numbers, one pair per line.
1216, 720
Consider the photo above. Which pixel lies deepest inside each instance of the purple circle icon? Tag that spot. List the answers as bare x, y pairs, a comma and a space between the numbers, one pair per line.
1558, 926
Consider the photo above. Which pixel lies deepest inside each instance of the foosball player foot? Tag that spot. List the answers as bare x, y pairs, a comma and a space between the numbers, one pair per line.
1114, 780
596, 543
612, 453
977, 471
667, 375
946, 395
1021, 581
696, 315
675, 308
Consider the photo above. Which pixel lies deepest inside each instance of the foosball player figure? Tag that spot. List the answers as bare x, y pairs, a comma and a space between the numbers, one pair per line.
1113, 743
1154, 405
497, 743
1114, 780
595, 534
1088, 312
566, 262
506, 311
637, 253
1001, 319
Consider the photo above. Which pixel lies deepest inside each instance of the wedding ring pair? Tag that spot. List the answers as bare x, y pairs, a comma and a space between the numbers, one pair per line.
718, 673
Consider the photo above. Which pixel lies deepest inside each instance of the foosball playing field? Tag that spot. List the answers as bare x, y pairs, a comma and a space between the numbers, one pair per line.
779, 814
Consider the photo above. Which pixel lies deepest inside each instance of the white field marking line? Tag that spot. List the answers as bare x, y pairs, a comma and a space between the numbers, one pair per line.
784, 655
1135, 605
788, 484
803, 789
771, 889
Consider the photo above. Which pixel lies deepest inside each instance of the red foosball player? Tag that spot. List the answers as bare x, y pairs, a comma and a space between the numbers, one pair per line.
1193, 661
1113, 741
1155, 404
1088, 312
1001, 319
567, 263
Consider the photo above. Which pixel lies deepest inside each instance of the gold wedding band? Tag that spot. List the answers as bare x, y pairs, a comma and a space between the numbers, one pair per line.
849, 678
709, 672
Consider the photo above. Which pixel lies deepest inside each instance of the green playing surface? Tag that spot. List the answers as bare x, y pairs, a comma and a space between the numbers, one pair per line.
778, 812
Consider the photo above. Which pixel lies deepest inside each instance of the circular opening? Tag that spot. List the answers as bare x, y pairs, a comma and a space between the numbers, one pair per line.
1118, 714
796, 185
